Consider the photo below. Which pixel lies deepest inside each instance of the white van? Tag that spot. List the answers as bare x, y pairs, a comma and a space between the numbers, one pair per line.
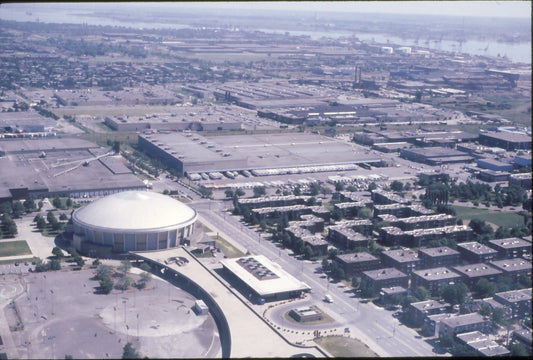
328, 299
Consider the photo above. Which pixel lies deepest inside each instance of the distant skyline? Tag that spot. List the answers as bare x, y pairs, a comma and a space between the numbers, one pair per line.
500, 9
508, 9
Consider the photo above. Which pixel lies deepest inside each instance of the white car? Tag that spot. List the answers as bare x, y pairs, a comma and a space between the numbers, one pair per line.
328, 299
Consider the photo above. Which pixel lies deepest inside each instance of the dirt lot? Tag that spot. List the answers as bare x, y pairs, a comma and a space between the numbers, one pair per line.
60, 313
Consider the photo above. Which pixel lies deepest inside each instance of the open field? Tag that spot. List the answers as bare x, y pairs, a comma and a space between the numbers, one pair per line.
239, 57
500, 218
340, 346
14, 248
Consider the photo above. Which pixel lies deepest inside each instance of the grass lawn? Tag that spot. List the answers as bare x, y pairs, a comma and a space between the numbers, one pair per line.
14, 248
339, 346
227, 249
497, 217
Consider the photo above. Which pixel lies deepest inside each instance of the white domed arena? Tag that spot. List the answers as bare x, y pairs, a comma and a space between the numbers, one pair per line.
131, 221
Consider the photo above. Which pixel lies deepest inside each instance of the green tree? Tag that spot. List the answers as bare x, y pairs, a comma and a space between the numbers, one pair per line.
5, 208
205, 192
18, 209
63, 217
454, 293
125, 282
229, 193
396, 185
50, 217
29, 204
96, 262
297, 191
57, 252
9, 225
498, 316
339, 186
308, 252
421, 293
103, 271
41, 223
129, 352
518, 350
484, 288
106, 285
124, 267
69, 203
240, 192
54, 265
79, 260
40, 266
372, 186
314, 189
57, 203
145, 278
259, 191
336, 214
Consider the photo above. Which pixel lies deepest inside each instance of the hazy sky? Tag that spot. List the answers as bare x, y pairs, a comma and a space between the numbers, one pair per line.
462, 8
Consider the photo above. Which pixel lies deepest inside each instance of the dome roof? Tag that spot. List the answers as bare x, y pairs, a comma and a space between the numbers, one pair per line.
135, 211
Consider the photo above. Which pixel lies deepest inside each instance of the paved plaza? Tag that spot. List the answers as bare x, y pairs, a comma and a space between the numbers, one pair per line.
59, 313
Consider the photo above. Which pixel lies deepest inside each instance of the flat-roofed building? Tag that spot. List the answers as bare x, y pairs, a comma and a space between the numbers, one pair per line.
273, 201
293, 211
363, 226
263, 278
481, 343
356, 263
349, 209
472, 273
262, 154
514, 268
403, 260
464, 323
506, 140
418, 311
510, 248
387, 197
517, 301
65, 167
398, 210
310, 222
438, 257
317, 244
475, 252
434, 279
392, 236
382, 278
426, 222
523, 336
494, 165
435, 155
346, 237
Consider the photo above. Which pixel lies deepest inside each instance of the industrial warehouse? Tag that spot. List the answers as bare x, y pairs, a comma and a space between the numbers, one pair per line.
265, 154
